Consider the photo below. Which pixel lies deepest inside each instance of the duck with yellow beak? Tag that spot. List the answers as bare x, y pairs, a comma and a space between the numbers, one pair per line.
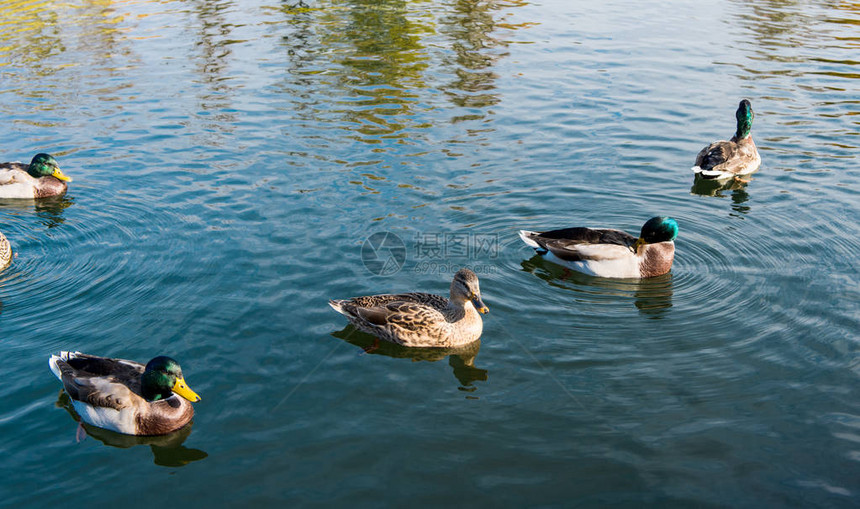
605, 252
126, 396
41, 178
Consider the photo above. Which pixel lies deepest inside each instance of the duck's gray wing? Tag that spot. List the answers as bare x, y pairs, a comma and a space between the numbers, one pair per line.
579, 243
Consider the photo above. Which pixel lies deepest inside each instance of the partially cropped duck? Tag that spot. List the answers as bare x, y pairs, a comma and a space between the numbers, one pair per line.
610, 253
5, 252
421, 319
126, 396
734, 158
39, 179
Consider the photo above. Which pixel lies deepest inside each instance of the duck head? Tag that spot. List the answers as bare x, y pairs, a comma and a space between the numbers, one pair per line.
656, 229
465, 288
44, 165
745, 117
161, 378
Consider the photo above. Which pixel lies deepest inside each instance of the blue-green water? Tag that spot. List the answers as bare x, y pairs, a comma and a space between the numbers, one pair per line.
231, 158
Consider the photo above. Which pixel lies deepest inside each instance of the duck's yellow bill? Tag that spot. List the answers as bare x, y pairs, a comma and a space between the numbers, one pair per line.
639, 242
60, 175
181, 388
480, 306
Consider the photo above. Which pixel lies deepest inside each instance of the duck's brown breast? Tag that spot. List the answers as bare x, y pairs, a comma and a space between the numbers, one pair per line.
165, 416
658, 259
49, 186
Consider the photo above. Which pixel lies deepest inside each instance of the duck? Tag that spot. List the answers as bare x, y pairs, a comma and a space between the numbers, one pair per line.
126, 396
422, 320
609, 253
5, 252
734, 158
39, 179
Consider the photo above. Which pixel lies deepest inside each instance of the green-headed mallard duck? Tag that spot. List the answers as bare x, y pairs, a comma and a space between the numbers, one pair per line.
126, 396
39, 179
610, 253
5, 252
421, 319
733, 158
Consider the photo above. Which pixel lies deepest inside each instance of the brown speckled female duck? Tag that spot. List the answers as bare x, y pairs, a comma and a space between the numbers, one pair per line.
421, 319
5, 252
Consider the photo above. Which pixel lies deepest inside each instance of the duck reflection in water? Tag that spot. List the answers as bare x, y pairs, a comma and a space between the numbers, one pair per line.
705, 187
461, 359
651, 296
167, 450
50, 209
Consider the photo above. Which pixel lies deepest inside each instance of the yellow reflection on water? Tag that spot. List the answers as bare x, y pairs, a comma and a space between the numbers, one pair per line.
31, 31
378, 57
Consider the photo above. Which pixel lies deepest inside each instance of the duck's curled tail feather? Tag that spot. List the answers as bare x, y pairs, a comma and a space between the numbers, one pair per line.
337, 305
708, 174
62, 356
526, 236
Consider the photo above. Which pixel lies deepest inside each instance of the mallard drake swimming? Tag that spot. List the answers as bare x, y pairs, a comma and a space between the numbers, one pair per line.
421, 319
126, 396
5, 252
39, 179
733, 158
610, 253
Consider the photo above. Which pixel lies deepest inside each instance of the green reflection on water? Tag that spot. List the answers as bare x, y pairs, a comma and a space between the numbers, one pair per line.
377, 60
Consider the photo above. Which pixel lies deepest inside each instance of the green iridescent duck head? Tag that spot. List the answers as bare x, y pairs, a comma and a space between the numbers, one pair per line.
44, 165
657, 229
745, 117
161, 378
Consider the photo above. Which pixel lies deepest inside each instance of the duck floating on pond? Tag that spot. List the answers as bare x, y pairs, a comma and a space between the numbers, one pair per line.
734, 158
41, 178
126, 396
421, 319
610, 253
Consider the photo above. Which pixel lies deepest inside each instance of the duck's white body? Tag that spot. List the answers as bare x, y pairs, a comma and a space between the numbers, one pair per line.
121, 421
15, 182
605, 260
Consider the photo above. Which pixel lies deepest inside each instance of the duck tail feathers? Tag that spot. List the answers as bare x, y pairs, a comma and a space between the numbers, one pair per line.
337, 305
62, 356
526, 236
708, 174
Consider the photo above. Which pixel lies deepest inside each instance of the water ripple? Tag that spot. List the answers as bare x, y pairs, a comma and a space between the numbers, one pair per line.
230, 160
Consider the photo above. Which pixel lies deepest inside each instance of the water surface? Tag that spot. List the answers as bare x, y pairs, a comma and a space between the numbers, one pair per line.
230, 159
